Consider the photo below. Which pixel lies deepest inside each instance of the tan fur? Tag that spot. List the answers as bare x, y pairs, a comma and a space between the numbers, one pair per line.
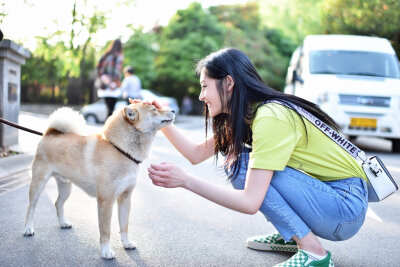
95, 165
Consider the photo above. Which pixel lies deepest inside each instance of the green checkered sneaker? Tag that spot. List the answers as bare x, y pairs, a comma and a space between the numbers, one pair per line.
273, 242
302, 259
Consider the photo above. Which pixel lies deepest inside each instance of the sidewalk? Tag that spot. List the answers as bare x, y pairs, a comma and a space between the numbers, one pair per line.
15, 171
15, 168
44, 109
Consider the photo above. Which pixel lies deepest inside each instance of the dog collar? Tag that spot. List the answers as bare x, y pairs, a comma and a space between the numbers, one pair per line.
127, 154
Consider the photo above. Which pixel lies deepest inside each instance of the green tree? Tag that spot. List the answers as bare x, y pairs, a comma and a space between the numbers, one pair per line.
82, 53
244, 17
190, 35
73, 47
295, 18
282, 43
44, 70
363, 17
266, 48
3, 13
140, 52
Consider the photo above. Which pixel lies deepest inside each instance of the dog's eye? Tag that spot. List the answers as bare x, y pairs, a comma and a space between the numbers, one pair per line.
153, 109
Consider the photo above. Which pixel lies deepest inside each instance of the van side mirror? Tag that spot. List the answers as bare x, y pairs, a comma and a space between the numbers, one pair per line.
296, 77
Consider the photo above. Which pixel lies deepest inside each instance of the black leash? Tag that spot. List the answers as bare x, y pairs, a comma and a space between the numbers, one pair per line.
20, 127
41, 134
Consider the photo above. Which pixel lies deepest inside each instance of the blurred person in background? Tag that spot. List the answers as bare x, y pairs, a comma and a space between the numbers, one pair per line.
131, 85
187, 105
109, 75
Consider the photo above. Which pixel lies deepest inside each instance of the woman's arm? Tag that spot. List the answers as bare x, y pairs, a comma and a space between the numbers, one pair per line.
247, 200
193, 152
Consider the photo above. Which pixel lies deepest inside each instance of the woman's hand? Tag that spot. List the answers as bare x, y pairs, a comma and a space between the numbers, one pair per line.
167, 175
154, 103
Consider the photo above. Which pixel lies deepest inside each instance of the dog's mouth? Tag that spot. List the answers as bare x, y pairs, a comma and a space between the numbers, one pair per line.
166, 121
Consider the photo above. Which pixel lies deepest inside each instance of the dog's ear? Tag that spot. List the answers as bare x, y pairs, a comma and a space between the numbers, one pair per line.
131, 114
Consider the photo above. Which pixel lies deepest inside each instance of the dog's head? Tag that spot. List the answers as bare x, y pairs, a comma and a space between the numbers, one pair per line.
146, 117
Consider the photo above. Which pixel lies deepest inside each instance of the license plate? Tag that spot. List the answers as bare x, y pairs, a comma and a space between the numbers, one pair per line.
363, 122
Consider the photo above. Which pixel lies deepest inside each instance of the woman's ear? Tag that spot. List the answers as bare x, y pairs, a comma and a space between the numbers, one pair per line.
229, 83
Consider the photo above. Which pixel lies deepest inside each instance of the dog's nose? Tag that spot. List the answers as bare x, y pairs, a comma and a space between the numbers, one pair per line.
173, 111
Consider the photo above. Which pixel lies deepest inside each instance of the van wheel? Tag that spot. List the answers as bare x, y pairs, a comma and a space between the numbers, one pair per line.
352, 137
396, 145
91, 119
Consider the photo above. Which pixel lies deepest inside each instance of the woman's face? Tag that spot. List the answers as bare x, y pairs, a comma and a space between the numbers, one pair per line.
209, 94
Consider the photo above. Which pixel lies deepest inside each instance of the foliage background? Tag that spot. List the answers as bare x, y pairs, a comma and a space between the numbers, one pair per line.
61, 69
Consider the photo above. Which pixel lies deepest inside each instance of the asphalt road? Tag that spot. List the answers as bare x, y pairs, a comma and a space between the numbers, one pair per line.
173, 227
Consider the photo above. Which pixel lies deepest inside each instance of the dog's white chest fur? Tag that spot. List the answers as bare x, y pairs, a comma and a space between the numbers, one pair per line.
128, 181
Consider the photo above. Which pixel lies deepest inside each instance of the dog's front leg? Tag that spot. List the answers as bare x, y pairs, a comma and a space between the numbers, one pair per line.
124, 207
105, 213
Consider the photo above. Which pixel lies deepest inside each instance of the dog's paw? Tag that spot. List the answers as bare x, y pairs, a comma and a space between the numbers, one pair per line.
65, 225
128, 244
107, 253
29, 231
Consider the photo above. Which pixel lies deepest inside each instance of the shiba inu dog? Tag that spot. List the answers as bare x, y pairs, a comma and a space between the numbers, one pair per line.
105, 165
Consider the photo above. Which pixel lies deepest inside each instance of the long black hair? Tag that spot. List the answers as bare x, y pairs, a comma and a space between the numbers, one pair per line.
232, 131
114, 48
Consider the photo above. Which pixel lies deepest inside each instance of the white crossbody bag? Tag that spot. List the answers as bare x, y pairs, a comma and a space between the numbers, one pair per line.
380, 182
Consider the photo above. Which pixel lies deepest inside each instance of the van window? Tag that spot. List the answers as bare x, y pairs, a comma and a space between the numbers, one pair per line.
354, 63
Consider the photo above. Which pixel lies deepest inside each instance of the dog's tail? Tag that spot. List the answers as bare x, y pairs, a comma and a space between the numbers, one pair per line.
65, 120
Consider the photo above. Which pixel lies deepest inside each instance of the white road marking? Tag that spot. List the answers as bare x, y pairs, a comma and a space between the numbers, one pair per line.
371, 213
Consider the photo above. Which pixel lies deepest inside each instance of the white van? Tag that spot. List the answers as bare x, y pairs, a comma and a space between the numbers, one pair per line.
355, 79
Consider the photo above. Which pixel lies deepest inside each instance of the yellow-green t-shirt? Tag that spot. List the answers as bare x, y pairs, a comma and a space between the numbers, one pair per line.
280, 140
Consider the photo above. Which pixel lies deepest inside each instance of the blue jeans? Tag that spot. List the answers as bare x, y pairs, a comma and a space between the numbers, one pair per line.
296, 203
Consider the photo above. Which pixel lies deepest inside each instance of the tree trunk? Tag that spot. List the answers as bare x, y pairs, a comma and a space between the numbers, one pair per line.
73, 91
53, 93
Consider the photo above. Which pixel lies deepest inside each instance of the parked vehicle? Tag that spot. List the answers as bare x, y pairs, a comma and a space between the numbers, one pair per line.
355, 79
97, 111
